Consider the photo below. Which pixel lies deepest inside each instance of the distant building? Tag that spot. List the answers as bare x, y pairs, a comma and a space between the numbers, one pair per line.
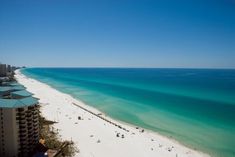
3, 70
9, 68
19, 121
14, 68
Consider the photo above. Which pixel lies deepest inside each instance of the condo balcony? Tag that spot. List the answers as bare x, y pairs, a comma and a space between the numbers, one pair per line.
35, 120
22, 122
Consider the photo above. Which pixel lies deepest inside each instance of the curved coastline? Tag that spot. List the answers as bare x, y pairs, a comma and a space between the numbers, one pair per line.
177, 148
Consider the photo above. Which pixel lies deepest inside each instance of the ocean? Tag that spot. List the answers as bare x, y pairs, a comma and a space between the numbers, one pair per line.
193, 106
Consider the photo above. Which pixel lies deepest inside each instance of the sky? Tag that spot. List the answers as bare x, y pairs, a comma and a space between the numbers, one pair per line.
118, 33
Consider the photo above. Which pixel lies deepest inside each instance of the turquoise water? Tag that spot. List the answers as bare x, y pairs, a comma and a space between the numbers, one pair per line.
193, 106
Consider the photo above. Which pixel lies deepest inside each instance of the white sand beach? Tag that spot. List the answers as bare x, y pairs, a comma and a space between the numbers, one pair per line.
94, 135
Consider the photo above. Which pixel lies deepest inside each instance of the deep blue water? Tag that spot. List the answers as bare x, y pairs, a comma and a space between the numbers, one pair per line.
194, 106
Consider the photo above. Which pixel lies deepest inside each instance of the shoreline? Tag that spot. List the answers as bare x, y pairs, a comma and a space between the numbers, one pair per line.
96, 134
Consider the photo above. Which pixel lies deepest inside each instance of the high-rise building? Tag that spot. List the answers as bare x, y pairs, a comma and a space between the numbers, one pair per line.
9, 68
19, 121
3, 70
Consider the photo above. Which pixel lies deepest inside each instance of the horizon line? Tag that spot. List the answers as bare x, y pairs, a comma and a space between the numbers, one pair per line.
116, 67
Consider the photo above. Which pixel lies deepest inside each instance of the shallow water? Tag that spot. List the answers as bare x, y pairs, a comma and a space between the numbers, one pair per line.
194, 106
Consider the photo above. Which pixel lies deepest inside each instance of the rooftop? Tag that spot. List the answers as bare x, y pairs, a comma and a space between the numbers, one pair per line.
15, 89
7, 89
17, 103
11, 84
22, 93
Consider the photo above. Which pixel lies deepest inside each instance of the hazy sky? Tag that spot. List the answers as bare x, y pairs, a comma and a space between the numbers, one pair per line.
126, 33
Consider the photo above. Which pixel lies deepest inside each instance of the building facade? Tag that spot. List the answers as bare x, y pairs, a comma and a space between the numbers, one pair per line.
3, 70
19, 121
